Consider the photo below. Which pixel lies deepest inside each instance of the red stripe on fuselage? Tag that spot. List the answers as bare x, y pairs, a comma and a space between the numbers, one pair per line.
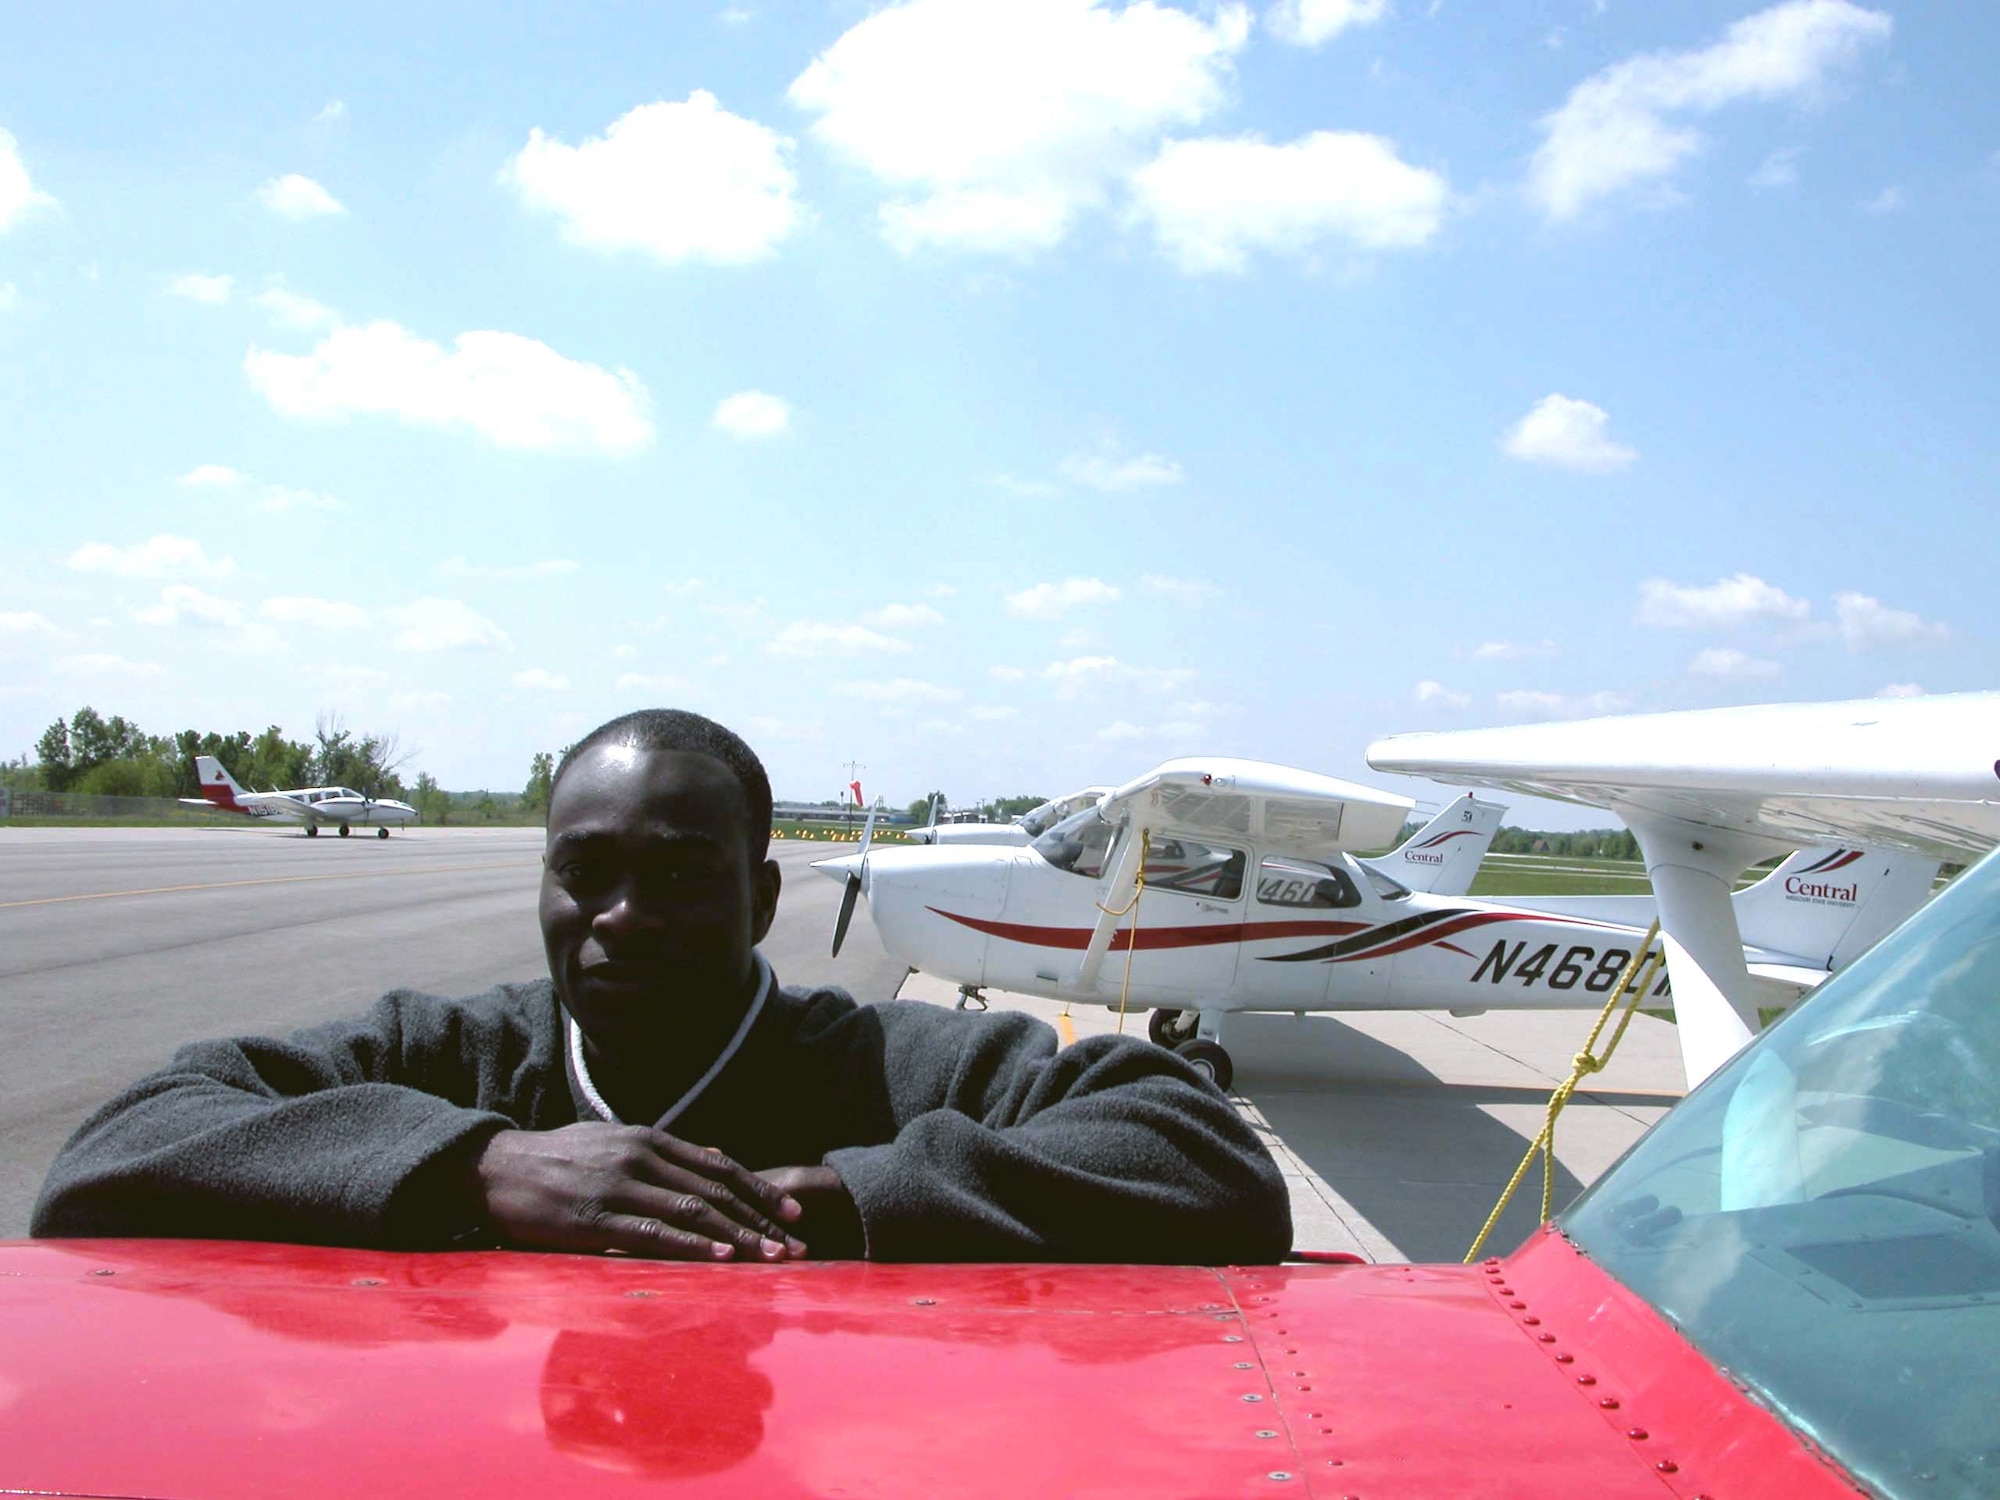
1468, 923
221, 796
1078, 938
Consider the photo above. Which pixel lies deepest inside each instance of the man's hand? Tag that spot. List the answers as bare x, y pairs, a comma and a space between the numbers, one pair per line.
597, 1186
830, 1215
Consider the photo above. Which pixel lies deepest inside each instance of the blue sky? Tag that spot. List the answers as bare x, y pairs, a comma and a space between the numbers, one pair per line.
1003, 393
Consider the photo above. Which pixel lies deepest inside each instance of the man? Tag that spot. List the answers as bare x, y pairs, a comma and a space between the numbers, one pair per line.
563, 1114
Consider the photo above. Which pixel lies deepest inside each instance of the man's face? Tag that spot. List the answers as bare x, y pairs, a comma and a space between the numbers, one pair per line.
651, 903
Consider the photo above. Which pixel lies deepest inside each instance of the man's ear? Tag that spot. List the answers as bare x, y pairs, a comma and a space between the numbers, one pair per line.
765, 882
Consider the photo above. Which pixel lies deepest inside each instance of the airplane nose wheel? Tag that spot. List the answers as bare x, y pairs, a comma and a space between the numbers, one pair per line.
381, 833
1206, 1057
312, 830
343, 830
1169, 1028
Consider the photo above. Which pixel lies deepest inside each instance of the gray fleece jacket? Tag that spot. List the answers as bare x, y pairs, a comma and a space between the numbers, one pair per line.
961, 1136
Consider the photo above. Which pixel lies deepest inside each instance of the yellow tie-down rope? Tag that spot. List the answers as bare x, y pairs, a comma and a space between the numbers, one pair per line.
1634, 982
1130, 908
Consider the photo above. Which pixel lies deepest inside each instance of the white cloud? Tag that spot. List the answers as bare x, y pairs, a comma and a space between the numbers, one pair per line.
1511, 651
1121, 730
19, 197
540, 680
1567, 434
1866, 623
1081, 676
1192, 593
1212, 203
1051, 601
24, 622
652, 683
1116, 476
992, 713
1779, 169
1625, 125
211, 477
1731, 665
624, 651
1429, 691
1900, 690
515, 392
332, 113
996, 122
97, 664
421, 700
547, 567
940, 591
1537, 705
687, 181
1722, 605
1307, 23
158, 557
10, 297
1885, 202
184, 604
899, 690
902, 616
752, 414
443, 625
296, 197
1007, 674
283, 500
316, 614
289, 309
806, 639
197, 288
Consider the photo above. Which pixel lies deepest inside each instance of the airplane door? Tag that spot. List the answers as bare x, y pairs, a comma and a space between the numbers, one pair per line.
1190, 921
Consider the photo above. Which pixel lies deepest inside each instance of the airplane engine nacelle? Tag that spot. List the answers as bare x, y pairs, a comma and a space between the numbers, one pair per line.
909, 889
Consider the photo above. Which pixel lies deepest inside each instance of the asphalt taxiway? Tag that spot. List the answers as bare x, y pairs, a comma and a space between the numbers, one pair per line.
1396, 1131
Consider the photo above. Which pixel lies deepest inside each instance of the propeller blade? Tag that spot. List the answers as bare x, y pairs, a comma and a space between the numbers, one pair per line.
868, 832
847, 899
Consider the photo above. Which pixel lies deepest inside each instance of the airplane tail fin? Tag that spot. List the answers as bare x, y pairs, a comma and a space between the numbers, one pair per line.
1442, 857
217, 785
1828, 906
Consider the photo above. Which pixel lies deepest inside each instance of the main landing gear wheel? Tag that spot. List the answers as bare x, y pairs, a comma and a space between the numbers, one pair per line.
1208, 1058
381, 833
1169, 1028
343, 830
312, 830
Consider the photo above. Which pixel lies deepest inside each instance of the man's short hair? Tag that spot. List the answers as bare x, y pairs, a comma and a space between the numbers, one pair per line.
677, 729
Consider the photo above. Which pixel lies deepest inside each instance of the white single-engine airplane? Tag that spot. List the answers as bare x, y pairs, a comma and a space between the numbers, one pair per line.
311, 805
1251, 900
1711, 792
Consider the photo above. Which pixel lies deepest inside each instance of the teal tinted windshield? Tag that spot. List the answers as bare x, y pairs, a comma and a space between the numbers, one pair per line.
1822, 1218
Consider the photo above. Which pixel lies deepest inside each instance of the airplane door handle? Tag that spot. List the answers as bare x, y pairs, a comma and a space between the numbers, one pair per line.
1210, 906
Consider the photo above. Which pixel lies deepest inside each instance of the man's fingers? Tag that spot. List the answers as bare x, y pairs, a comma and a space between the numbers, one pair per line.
716, 1167
657, 1173
657, 1240
689, 1210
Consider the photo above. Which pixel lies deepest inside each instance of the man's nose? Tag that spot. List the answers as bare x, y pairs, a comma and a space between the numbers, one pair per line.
628, 916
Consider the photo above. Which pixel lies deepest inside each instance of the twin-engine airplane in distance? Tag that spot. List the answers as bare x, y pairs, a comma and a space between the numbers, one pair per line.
311, 805
1252, 900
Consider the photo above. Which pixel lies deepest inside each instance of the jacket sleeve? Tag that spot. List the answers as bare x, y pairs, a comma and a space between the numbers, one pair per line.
354, 1132
1007, 1148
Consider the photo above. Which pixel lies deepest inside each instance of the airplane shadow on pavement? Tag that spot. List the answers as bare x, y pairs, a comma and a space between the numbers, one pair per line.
1422, 1157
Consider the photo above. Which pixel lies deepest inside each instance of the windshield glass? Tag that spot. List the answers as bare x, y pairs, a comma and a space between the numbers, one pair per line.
1079, 844
1822, 1218
1041, 819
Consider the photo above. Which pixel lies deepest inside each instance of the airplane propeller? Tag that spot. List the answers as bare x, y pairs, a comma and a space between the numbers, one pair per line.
852, 893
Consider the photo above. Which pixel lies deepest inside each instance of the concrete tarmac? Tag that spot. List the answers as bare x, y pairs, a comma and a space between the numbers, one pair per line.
117, 945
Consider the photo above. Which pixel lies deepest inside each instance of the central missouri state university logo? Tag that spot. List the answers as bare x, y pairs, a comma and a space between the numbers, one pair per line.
1803, 886
1431, 850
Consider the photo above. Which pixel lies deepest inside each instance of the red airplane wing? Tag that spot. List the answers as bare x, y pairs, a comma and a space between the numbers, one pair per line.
183, 1369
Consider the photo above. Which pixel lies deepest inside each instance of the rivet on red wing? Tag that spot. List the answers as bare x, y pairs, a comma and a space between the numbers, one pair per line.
1609, 1403
923, 1302
1667, 1466
1243, 1364
104, 1273
1253, 1398
1564, 1359
642, 1294
1638, 1434
1586, 1380
1531, 1320
365, 1281
1279, 1474
1545, 1338
1232, 1338
1517, 1303
1265, 1432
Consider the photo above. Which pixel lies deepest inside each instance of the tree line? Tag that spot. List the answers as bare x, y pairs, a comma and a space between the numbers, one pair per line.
114, 757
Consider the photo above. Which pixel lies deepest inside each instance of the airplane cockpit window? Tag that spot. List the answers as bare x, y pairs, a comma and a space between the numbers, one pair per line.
1194, 867
1822, 1217
1387, 887
1301, 883
1041, 819
1080, 844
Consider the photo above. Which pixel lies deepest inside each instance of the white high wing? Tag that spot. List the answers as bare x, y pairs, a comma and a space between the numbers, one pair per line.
1709, 793
311, 805
1253, 900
